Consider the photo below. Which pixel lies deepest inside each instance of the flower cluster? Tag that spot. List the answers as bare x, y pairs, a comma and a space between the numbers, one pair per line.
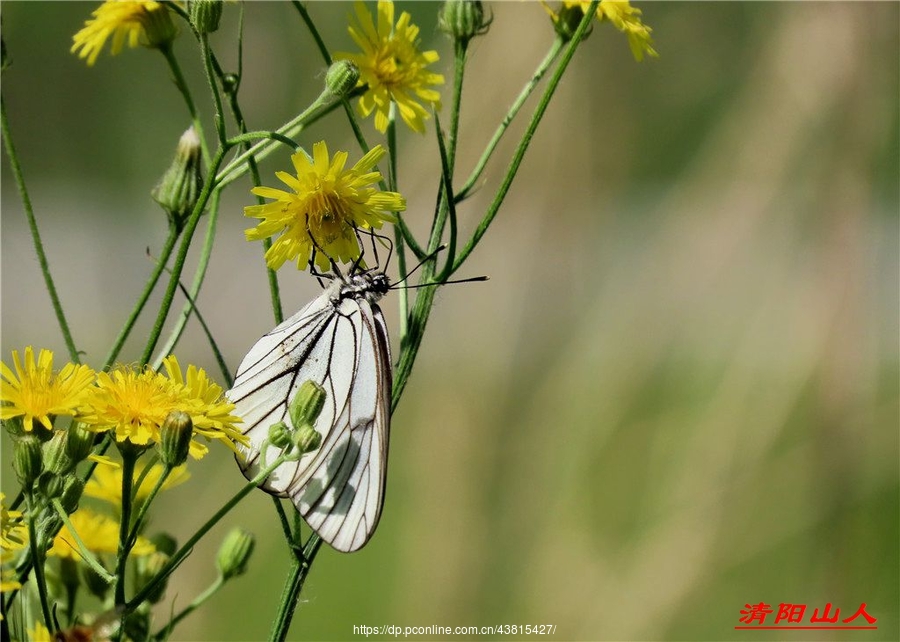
132, 404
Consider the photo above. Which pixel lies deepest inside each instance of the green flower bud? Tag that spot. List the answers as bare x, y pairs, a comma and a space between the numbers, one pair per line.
94, 582
175, 438
71, 493
234, 553
27, 460
80, 442
279, 434
50, 485
205, 14
159, 27
56, 459
164, 543
180, 187
137, 625
463, 20
341, 78
148, 566
306, 439
567, 20
68, 573
307, 404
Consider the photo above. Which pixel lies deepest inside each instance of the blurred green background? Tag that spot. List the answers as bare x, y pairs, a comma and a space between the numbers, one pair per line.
677, 394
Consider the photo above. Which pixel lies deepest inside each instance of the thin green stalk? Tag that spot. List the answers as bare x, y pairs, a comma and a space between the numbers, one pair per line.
542, 68
185, 91
180, 259
128, 459
198, 601
188, 546
161, 261
425, 298
37, 557
86, 556
199, 276
403, 294
36, 236
300, 568
144, 505
539, 111
219, 116
253, 166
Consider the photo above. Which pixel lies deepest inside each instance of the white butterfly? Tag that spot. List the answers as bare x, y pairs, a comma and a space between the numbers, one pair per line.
339, 341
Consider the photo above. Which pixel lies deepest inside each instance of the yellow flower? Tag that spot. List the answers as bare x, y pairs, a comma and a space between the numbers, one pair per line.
106, 482
623, 17
392, 67
139, 22
13, 537
98, 532
34, 392
135, 404
321, 214
39, 633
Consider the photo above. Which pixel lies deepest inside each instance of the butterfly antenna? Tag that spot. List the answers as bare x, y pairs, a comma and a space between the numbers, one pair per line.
427, 257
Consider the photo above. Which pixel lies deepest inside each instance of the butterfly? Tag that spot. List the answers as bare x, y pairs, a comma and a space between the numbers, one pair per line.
340, 341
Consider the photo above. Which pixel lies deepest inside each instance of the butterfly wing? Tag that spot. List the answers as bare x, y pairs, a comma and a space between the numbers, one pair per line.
338, 488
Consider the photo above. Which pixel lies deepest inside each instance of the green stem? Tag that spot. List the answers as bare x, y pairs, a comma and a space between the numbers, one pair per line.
37, 557
199, 276
403, 294
513, 168
219, 117
185, 91
144, 505
198, 601
300, 568
86, 556
35, 234
542, 68
180, 259
128, 460
185, 550
161, 261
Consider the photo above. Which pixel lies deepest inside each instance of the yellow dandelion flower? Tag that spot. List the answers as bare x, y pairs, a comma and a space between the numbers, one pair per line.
392, 68
39, 633
319, 217
8, 581
34, 392
623, 17
138, 22
134, 404
131, 403
106, 482
98, 532
205, 401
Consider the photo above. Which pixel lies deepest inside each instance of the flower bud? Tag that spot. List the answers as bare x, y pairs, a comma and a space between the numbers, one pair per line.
567, 20
306, 439
50, 485
463, 20
27, 460
148, 566
279, 434
205, 14
94, 582
180, 186
80, 442
56, 459
71, 494
307, 404
175, 438
158, 26
341, 78
68, 573
234, 553
164, 543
